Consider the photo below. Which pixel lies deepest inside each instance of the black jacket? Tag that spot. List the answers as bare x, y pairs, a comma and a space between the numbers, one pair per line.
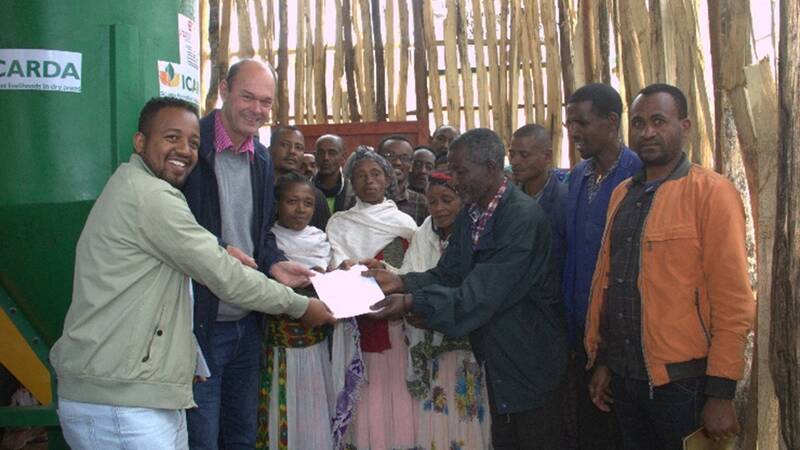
502, 296
202, 195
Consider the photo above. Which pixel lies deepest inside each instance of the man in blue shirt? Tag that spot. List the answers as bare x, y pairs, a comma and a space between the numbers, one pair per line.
593, 118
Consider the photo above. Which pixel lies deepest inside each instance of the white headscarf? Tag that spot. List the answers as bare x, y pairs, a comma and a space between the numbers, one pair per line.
365, 229
308, 246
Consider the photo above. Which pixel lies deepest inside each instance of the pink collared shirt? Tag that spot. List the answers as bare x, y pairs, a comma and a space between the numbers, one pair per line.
222, 141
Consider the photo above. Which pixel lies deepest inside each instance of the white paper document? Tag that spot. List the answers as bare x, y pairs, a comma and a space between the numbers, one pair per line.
346, 292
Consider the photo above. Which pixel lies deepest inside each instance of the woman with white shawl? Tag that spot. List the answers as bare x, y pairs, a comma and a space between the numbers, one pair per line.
375, 228
307, 392
443, 374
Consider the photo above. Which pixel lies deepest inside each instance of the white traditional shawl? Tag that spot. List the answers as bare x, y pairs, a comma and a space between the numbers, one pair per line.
424, 251
308, 246
364, 230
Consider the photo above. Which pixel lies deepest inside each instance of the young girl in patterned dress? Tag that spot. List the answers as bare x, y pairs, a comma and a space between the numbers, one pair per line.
308, 383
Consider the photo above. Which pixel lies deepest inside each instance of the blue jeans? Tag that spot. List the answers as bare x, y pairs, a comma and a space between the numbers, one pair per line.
227, 403
662, 422
90, 426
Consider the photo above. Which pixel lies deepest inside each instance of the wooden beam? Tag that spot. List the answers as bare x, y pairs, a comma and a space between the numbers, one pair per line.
213, 45
494, 69
515, 14
349, 63
338, 67
368, 67
763, 99
420, 66
554, 95
466, 66
309, 64
320, 97
389, 53
283, 63
299, 65
433, 62
526, 65
785, 320
245, 30
380, 68
451, 65
534, 22
405, 48
480, 62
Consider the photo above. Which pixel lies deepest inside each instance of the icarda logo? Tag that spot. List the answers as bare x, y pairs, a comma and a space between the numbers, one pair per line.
168, 77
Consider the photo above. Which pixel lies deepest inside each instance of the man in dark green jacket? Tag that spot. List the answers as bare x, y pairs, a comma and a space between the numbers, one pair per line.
492, 284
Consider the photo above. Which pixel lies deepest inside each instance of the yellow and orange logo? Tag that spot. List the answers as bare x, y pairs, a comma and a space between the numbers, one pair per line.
168, 77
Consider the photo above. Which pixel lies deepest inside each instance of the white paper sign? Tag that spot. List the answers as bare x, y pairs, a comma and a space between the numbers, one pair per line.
40, 70
346, 292
178, 80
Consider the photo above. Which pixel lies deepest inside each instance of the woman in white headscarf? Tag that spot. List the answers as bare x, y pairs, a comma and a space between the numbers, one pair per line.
375, 228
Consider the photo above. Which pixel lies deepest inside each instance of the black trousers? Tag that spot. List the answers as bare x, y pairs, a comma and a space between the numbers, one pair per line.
534, 429
587, 428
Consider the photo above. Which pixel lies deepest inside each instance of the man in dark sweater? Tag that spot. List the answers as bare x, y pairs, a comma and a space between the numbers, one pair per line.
330, 152
492, 284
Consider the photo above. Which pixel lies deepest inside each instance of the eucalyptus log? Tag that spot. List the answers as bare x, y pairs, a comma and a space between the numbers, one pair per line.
480, 63
320, 97
389, 58
785, 320
534, 22
554, 95
213, 45
433, 62
299, 64
368, 68
338, 67
283, 63
245, 30
466, 66
420, 66
496, 79
451, 65
380, 68
309, 66
349, 63
405, 46
526, 65
513, 66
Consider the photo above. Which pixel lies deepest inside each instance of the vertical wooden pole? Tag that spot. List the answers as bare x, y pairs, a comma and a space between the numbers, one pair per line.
380, 68
420, 66
534, 25
389, 59
466, 66
299, 65
480, 63
320, 97
283, 63
554, 95
245, 30
349, 63
784, 351
213, 44
503, 48
309, 65
433, 63
405, 46
513, 66
451, 65
368, 103
494, 66
526, 42
338, 66
603, 45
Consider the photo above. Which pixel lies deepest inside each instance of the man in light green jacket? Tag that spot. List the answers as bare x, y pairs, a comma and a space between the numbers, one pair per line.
127, 356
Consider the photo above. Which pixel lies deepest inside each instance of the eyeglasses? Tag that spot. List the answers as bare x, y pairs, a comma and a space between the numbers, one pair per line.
391, 157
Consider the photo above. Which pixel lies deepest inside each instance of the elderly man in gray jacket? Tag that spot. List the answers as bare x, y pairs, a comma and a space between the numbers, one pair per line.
127, 356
